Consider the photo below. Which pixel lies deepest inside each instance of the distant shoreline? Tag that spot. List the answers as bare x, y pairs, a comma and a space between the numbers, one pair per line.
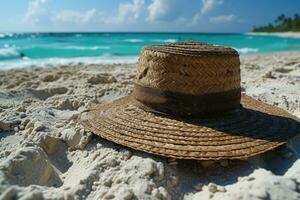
280, 34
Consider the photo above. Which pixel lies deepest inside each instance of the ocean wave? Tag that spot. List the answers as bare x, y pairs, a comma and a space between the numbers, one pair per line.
247, 50
86, 47
54, 46
165, 40
3, 35
8, 52
52, 62
133, 40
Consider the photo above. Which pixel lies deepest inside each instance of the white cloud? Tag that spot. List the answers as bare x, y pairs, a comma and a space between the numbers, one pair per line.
35, 11
127, 12
223, 19
71, 16
207, 6
165, 10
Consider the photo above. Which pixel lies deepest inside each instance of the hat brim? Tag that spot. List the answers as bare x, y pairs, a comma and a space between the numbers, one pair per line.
255, 128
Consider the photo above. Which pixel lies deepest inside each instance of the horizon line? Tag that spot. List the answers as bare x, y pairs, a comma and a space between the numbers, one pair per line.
145, 32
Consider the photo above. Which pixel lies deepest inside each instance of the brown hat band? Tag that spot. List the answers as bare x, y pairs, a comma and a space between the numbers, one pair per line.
179, 104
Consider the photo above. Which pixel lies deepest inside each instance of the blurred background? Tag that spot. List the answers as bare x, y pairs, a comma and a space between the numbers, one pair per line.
52, 32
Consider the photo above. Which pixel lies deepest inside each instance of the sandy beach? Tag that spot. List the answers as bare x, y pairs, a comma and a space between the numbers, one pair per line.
281, 34
46, 154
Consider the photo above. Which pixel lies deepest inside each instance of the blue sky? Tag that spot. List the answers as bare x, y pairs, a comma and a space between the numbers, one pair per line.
141, 15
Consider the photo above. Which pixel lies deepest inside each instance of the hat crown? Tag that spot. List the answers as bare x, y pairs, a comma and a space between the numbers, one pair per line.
190, 69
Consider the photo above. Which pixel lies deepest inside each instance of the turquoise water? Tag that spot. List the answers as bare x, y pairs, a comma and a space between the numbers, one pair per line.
39, 49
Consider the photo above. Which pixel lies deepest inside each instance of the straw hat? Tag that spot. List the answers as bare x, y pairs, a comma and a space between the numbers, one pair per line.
187, 104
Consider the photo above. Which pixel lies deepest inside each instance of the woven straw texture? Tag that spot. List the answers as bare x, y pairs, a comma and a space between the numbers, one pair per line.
193, 71
196, 68
252, 130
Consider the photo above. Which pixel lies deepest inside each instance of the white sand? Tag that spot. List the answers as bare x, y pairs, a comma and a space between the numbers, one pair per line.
281, 34
44, 154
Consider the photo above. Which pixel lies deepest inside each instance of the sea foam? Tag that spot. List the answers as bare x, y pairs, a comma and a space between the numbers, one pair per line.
86, 47
133, 40
9, 53
247, 50
3, 35
165, 40
52, 62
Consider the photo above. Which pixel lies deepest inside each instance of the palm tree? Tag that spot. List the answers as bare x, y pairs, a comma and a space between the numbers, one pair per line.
282, 23
296, 23
280, 18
